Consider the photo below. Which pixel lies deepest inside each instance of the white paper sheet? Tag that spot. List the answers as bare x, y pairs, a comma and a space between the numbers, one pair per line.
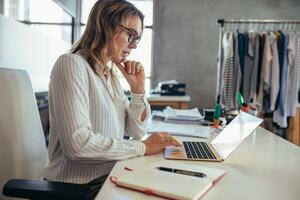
179, 129
185, 114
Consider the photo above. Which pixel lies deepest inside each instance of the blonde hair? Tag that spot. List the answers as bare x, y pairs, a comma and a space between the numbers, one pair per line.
98, 36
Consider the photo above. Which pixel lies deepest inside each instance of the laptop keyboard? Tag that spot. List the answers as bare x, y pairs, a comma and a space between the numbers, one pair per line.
198, 150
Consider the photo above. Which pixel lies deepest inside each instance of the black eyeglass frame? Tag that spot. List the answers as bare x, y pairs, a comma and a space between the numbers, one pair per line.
133, 36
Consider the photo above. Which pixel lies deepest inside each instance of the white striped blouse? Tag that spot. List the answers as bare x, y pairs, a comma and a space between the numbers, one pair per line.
89, 115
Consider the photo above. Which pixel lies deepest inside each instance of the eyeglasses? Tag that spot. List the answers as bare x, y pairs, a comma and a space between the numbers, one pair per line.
133, 35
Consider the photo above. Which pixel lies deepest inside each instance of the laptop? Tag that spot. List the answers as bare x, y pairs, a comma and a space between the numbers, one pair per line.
222, 146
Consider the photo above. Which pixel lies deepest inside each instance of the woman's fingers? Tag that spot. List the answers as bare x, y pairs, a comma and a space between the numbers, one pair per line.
158, 141
163, 133
167, 140
172, 141
130, 67
138, 67
175, 142
133, 67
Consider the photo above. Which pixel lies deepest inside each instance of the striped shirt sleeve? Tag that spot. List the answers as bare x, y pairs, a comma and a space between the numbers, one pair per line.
134, 126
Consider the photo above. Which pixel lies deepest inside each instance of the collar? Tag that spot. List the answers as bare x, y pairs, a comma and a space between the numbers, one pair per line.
108, 67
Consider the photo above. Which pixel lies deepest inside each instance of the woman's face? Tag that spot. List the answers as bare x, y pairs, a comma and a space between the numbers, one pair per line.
126, 38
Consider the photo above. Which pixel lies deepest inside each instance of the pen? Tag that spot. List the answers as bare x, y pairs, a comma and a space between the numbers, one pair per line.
180, 171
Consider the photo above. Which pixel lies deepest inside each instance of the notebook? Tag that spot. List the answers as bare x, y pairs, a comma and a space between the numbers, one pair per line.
150, 180
222, 146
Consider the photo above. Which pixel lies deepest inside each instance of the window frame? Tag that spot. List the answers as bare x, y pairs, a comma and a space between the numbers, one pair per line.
72, 24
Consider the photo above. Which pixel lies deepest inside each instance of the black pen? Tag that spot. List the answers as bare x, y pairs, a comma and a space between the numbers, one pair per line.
180, 171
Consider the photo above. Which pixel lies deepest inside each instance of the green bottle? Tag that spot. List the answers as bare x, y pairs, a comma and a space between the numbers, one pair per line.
239, 99
217, 111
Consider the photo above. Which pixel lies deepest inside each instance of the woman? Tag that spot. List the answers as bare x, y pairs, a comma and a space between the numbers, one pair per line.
89, 112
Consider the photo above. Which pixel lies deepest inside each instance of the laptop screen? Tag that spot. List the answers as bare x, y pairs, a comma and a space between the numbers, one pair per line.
234, 133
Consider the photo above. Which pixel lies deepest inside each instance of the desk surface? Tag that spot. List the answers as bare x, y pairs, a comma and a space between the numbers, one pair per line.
158, 97
265, 166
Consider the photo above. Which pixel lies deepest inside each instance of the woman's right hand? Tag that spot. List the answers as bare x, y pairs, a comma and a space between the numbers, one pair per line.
157, 142
134, 74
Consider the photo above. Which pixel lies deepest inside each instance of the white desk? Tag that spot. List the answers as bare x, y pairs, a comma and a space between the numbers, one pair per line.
265, 166
173, 101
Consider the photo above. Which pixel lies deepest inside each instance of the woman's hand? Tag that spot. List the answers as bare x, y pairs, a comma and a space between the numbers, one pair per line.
158, 141
134, 74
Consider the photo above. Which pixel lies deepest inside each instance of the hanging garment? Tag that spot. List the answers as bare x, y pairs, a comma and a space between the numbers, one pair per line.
237, 77
251, 67
274, 74
227, 71
231, 71
241, 52
266, 59
280, 115
292, 73
260, 59
271, 75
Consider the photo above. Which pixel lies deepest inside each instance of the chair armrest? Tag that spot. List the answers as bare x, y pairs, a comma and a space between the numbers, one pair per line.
38, 189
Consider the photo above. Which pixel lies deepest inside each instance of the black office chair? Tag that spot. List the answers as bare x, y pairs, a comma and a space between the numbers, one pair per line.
23, 150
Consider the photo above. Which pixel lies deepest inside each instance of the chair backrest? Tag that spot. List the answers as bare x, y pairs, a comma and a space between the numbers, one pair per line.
23, 151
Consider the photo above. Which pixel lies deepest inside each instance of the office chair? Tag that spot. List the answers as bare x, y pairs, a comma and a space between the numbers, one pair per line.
23, 150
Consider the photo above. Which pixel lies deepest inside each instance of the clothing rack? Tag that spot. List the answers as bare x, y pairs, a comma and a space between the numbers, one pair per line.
222, 22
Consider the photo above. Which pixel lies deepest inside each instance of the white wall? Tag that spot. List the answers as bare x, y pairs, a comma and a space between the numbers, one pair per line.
23, 47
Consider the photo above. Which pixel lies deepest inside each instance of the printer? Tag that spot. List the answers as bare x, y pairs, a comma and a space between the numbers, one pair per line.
172, 89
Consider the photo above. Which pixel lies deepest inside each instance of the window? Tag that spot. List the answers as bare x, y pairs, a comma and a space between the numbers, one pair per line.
45, 16
144, 51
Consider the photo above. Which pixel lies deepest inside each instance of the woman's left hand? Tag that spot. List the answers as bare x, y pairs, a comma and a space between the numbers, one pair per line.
134, 74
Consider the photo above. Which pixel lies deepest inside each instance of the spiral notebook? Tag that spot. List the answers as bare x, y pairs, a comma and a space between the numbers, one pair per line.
152, 181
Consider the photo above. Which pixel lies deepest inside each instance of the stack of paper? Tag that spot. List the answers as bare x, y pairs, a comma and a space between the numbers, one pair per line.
179, 122
184, 116
179, 129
